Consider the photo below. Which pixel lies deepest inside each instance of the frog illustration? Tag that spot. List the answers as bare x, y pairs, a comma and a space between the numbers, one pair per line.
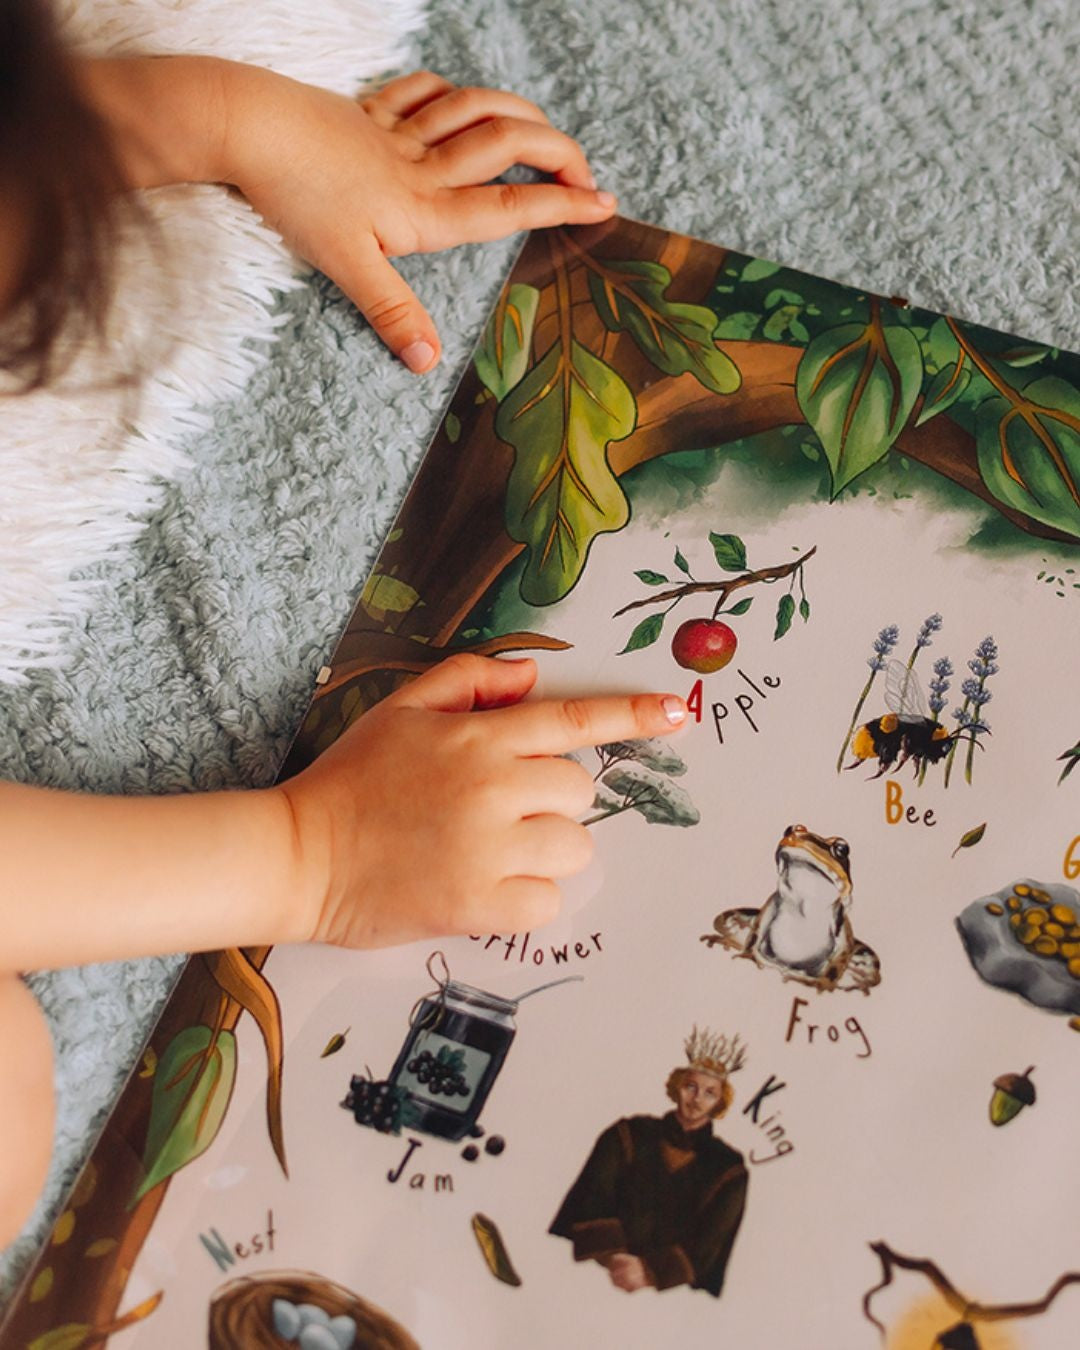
803, 929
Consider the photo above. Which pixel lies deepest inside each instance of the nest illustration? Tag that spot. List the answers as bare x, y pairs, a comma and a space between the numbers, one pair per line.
241, 1316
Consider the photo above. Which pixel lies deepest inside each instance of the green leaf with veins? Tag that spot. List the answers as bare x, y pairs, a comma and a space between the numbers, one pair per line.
785, 612
945, 388
857, 385
676, 337
503, 355
651, 578
192, 1087
562, 492
644, 635
1028, 446
730, 551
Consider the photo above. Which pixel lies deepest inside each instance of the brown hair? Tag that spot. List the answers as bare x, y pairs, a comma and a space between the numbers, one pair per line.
675, 1080
61, 187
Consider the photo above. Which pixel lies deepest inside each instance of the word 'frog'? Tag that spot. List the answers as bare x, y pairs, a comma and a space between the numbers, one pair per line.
803, 929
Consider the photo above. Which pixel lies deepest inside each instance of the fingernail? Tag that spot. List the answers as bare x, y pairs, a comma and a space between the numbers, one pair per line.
674, 709
606, 199
418, 356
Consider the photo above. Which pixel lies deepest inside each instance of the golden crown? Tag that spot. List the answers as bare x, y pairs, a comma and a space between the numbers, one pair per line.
709, 1052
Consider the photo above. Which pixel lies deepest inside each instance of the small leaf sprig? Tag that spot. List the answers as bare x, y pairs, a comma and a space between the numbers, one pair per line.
729, 550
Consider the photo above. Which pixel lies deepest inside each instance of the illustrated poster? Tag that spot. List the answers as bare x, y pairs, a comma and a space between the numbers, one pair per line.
798, 1063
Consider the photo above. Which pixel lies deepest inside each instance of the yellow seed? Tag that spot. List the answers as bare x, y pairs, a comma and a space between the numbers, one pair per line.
1074, 931
1070, 949
1046, 946
1021, 889
1016, 920
1053, 930
1036, 916
1013, 902
1074, 967
63, 1227
1042, 896
1063, 913
1027, 934
1074, 1023
994, 909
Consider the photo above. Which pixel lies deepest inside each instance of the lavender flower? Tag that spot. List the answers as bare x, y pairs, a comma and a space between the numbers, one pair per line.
883, 644
939, 685
976, 695
931, 625
974, 692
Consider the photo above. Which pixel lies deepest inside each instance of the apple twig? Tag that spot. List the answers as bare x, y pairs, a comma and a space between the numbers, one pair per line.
726, 588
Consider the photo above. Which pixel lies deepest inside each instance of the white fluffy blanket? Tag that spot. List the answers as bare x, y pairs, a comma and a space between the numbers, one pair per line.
82, 467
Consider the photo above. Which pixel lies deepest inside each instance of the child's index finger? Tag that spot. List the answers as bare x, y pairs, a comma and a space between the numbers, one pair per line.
557, 726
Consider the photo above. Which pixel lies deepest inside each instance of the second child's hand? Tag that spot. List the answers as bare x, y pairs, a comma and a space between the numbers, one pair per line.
350, 185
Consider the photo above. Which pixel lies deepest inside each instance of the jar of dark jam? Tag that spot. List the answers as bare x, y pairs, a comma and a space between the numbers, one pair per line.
455, 1048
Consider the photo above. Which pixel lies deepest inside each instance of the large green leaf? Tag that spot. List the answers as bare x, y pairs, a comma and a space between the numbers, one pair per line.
561, 492
857, 386
676, 337
503, 355
1028, 446
192, 1087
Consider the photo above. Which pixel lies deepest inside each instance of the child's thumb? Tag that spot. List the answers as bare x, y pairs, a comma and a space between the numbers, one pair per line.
374, 285
464, 682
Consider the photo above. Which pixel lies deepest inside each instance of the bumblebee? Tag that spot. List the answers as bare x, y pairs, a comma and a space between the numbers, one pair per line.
906, 732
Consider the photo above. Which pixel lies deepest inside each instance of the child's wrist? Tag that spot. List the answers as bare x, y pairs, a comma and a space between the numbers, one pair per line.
301, 895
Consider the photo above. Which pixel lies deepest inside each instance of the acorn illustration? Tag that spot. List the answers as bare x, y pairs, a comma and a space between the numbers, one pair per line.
1012, 1092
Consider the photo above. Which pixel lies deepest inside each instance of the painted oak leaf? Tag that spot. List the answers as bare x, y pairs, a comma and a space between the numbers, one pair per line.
857, 385
503, 355
562, 492
676, 337
1028, 446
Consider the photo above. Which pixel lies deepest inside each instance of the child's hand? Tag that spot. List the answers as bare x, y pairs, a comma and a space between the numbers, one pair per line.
429, 819
350, 185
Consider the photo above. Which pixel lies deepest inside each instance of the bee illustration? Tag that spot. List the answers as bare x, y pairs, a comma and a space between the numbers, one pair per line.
907, 731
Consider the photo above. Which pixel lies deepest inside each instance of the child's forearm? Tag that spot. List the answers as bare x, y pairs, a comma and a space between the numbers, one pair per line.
168, 116
86, 878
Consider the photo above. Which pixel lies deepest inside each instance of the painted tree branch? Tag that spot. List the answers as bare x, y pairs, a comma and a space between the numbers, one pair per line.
725, 588
966, 1309
389, 651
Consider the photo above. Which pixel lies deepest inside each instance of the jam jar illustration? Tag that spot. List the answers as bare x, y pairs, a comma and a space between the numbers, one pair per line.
458, 1039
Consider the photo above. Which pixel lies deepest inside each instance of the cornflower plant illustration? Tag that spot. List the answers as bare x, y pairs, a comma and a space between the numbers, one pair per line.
883, 646
644, 785
969, 718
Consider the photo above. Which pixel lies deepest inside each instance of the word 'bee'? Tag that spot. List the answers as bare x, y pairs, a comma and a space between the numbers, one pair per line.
906, 731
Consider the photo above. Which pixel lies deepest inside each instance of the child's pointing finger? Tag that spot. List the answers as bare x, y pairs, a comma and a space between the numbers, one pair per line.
559, 726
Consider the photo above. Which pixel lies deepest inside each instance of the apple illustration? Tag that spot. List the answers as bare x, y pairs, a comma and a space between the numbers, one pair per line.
704, 645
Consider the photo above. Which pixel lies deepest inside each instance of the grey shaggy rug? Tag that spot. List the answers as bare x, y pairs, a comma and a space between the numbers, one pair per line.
927, 148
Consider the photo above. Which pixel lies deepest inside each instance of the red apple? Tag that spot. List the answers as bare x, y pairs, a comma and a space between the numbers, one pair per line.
704, 645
